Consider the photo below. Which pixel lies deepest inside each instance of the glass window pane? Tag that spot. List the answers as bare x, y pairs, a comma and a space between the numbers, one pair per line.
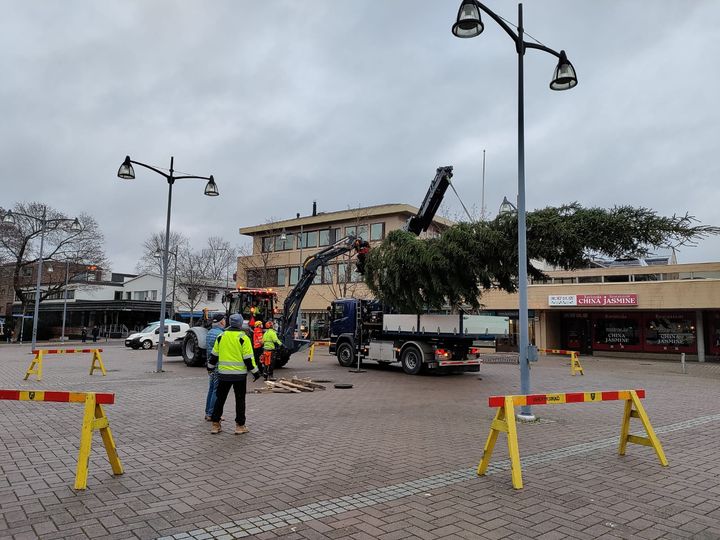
281, 277
311, 239
377, 231
324, 237
363, 232
318, 277
343, 276
350, 231
294, 275
328, 272
267, 244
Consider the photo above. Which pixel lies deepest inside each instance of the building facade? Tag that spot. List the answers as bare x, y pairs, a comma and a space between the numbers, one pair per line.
278, 249
655, 311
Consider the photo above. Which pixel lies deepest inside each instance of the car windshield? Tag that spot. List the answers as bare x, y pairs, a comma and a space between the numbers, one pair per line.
150, 328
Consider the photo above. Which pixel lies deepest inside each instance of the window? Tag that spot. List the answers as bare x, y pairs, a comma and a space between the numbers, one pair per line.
26, 271
338, 311
128, 296
255, 278
118, 295
211, 295
281, 277
309, 239
267, 244
377, 231
343, 276
175, 328
284, 245
327, 274
294, 275
328, 236
360, 231
317, 280
669, 331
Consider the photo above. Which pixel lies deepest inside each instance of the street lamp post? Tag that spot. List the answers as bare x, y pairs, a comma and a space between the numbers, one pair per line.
174, 253
67, 273
469, 24
73, 226
127, 172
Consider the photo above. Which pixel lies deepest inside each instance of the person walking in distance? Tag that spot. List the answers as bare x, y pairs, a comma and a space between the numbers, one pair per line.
271, 345
258, 345
218, 327
233, 356
83, 334
95, 333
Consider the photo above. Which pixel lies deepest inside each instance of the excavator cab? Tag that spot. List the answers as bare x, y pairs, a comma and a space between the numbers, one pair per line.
253, 304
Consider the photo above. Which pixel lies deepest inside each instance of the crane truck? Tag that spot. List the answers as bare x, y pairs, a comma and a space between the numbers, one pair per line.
367, 329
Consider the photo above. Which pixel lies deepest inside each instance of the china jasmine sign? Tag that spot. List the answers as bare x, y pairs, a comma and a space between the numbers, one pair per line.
593, 300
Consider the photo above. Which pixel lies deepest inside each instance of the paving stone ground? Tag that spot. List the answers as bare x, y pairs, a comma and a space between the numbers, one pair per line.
391, 458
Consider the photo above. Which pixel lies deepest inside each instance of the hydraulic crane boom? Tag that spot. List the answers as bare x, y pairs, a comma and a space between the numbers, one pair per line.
291, 306
421, 221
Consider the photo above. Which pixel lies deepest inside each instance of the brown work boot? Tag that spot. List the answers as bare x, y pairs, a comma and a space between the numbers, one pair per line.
239, 430
216, 428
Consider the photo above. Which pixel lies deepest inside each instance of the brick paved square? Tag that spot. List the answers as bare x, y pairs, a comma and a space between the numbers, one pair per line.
392, 457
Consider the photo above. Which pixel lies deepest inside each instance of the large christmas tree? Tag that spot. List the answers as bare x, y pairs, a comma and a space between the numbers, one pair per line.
414, 274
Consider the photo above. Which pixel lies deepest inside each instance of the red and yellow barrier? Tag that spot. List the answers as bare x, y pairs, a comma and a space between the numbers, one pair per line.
504, 421
36, 367
93, 419
575, 366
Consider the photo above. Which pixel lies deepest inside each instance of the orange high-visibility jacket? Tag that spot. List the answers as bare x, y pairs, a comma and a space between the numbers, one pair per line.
257, 337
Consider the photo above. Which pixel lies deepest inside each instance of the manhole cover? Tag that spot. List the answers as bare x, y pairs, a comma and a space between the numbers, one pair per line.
343, 385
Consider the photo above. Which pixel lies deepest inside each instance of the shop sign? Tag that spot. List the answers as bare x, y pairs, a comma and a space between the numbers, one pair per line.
593, 300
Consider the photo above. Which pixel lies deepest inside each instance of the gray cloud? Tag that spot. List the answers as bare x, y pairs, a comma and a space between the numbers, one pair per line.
350, 103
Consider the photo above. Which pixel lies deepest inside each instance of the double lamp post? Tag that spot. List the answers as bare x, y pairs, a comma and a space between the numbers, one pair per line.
469, 24
71, 225
127, 172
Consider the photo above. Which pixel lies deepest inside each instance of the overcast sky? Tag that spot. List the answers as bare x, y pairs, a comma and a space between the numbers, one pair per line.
351, 103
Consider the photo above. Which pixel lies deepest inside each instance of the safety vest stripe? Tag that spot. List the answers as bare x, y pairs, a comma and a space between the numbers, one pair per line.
569, 397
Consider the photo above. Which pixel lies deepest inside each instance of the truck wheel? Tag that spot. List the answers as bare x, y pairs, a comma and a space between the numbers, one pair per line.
192, 354
411, 360
346, 355
147, 344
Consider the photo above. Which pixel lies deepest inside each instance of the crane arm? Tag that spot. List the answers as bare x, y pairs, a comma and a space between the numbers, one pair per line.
420, 222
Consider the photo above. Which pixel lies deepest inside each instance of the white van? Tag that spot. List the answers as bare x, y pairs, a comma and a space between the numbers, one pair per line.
147, 338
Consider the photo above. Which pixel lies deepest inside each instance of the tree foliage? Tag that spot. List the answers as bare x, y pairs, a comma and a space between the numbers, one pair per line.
413, 274
20, 247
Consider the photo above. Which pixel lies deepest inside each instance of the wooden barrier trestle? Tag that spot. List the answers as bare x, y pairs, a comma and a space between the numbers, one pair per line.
36, 366
504, 421
575, 366
93, 419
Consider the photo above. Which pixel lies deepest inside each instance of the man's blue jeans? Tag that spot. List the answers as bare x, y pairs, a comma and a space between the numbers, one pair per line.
212, 392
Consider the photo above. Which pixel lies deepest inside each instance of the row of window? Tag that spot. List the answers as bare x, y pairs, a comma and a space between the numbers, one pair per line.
289, 276
211, 295
320, 238
627, 278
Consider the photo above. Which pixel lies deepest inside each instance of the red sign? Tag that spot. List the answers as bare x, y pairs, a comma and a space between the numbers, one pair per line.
607, 300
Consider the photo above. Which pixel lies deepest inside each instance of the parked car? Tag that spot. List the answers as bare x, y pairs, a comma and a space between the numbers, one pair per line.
147, 338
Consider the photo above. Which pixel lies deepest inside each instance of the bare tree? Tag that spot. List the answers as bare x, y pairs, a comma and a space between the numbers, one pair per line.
154, 244
20, 245
220, 258
192, 279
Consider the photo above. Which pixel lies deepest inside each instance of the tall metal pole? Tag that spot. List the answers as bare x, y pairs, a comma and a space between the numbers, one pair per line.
299, 315
482, 199
525, 411
174, 284
67, 272
166, 257
39, 276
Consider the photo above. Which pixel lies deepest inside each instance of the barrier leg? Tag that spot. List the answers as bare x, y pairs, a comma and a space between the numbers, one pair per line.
35, 367
311, 353
651, 440
97, 363
498, 425
104, 426
513, 449
86, 432
504, 421
575, 366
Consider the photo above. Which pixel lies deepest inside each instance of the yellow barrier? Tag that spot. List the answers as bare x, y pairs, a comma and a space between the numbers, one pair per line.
36, 367
93, 419
504, 421
311, 352
575, 366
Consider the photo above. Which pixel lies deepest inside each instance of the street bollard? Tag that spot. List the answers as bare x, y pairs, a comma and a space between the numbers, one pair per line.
682, 362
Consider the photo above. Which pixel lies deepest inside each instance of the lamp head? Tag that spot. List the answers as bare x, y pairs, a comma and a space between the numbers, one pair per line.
126, 170
507, 208
283, 235
564, 77
468, 22
211, 189
9, 218
75, 226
